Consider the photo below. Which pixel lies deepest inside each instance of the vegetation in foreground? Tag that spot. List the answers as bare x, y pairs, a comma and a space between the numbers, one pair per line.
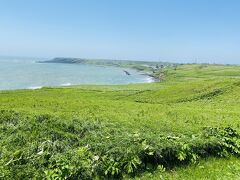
211, 168
128, 131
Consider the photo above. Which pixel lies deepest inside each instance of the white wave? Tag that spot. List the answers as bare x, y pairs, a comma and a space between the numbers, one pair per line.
34, 87
66, 84
149, 79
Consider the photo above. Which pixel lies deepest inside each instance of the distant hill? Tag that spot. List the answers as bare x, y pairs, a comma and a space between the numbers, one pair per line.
147, 66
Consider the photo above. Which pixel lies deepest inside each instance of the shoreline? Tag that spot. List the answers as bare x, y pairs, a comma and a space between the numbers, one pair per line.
154, 78
149, 79
142, 72
145, 77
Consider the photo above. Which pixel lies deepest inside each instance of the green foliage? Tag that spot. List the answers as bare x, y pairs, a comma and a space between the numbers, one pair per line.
67, 153
120, 131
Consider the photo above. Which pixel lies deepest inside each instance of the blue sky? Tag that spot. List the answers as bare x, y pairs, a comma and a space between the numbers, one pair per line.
166, 30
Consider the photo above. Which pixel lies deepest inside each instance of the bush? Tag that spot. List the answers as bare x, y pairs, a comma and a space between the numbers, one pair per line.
44, 146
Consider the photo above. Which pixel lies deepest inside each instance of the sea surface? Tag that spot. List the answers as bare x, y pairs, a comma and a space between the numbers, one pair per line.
26, 73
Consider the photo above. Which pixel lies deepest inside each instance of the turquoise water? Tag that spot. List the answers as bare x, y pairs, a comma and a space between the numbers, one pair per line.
25, 73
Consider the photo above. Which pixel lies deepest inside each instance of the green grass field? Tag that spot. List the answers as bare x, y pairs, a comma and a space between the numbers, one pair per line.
185, 127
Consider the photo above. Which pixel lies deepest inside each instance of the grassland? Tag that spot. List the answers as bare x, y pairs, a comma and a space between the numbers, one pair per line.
185, 127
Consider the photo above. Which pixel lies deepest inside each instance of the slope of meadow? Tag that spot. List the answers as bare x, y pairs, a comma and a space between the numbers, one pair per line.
123, 131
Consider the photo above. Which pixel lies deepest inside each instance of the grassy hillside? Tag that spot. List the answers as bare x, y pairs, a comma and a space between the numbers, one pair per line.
124, 131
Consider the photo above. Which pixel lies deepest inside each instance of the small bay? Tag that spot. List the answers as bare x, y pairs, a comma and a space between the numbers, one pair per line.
26, 73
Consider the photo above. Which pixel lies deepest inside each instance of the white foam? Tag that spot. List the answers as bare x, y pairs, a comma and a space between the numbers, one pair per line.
35, 87
149, 79
66, 84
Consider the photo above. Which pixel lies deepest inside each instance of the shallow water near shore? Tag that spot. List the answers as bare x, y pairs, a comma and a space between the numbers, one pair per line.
26, 73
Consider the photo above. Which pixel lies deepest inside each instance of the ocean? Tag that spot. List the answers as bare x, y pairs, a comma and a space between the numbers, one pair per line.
26, 73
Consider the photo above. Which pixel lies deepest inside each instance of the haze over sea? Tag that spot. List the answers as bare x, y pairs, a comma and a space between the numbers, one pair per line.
26, 73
